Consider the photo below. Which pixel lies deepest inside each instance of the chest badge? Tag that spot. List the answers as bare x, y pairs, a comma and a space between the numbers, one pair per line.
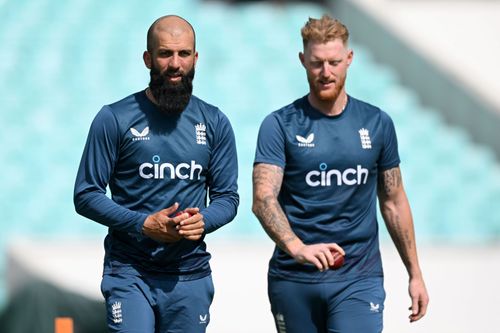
306, 142
201, 134
364, 135
140, 136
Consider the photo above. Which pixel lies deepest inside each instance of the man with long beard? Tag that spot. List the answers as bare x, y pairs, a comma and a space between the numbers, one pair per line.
320, 163
162, 151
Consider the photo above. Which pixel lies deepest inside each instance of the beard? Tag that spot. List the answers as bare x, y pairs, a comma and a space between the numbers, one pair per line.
330, 95
172, 98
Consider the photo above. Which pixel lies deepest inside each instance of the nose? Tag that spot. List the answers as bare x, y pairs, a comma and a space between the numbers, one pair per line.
325, 69
175, 61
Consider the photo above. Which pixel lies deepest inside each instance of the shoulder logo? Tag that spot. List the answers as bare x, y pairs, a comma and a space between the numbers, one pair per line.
364, 135
139, 136
201, 134
305, 142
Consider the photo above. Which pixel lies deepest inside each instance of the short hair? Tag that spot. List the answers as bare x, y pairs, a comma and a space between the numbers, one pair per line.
150, 39
324, 30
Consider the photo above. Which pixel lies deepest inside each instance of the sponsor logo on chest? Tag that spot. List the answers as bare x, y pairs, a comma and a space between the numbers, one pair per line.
308, 140
325, 176
200, 132
305, 142
168, 170
140, 136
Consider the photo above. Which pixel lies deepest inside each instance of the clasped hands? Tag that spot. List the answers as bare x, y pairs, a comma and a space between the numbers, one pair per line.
161, 227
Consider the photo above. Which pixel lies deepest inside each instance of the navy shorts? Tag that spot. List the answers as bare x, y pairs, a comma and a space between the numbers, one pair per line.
151, 305
335, 307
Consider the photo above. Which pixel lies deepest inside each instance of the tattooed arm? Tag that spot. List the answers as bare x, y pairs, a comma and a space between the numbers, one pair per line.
267, 180
396, 212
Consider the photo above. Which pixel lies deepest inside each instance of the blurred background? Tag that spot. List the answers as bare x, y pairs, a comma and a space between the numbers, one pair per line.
432, 65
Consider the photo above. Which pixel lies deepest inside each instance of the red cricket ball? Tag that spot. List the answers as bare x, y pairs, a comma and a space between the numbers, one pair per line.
338, 259
182, 212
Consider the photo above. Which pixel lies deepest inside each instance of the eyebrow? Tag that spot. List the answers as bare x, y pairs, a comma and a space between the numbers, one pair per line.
160, 49
326, 59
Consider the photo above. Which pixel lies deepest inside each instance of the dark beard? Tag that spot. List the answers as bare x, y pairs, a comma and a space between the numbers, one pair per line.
172, 99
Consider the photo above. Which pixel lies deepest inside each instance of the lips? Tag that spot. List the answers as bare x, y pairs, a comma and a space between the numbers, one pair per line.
326, 83
174, 74
326, 79
174, 77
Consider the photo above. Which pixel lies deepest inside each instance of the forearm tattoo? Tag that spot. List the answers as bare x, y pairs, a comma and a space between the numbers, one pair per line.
396, 211
400, 233
267, 180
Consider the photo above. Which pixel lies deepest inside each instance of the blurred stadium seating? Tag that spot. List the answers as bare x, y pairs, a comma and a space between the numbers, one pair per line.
61, 61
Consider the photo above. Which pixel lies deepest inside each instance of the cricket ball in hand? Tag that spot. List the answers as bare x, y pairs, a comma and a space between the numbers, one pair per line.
182, 212
338, 259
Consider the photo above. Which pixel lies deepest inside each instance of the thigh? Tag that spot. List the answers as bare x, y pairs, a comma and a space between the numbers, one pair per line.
296, 307
183, 306
127, 305
358, 307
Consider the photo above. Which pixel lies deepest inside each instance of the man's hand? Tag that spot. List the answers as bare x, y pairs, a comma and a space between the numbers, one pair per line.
161, 227
317, 254
419, 299
191, 225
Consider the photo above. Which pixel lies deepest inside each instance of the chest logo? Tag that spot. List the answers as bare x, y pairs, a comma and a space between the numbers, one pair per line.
305, 142
330, 177
168, 170
139, 136
364, 135
201, 134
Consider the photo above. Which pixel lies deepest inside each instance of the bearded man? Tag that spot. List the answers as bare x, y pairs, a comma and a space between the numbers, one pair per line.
319, 165
163, 153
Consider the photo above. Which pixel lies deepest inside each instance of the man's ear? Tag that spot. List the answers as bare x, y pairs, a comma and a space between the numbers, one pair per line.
195, 58
350, 55
146, 56
301, 57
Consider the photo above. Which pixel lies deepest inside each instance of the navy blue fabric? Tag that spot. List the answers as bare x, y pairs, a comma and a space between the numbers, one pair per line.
329, 184
335, 307
150, 305
150, 161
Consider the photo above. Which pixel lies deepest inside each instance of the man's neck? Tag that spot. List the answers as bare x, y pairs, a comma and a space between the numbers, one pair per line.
332, 107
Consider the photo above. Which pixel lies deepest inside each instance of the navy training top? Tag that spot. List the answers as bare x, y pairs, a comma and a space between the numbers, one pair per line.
329, 184
150, 161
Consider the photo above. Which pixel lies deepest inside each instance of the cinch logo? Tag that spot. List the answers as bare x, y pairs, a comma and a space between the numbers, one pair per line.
168, 170
323, 177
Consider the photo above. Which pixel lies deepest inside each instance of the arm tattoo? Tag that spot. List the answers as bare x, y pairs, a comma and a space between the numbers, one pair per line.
267, 180
400, 234
389, 181
396, 212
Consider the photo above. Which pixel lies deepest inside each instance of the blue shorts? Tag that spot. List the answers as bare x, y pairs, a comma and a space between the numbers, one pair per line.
335, 307
143, 304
